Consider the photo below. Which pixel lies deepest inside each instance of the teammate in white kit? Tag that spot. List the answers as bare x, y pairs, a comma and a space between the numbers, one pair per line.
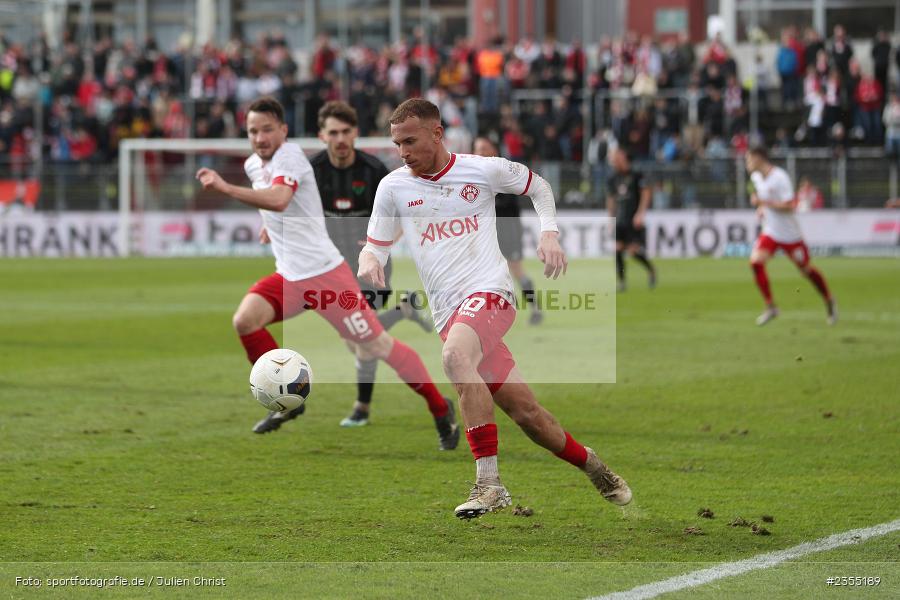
775, 199
310, 272
444, 203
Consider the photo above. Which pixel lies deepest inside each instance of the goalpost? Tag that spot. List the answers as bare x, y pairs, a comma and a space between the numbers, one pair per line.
158, 174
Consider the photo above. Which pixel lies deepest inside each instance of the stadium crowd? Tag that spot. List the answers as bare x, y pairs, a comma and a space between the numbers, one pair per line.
663, 100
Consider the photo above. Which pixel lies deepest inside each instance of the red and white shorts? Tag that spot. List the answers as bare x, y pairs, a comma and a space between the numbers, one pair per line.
335, 295
491, 316
796, 251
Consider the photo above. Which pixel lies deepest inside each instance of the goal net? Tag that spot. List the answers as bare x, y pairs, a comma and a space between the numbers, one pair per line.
163, 210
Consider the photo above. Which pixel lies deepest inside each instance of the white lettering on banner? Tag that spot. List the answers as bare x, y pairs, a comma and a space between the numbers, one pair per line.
583, 234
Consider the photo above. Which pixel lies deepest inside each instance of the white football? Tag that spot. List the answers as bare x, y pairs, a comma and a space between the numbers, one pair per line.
281, 379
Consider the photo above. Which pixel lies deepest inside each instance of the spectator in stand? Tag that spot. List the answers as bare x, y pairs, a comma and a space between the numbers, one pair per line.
712, 76
881, 57
324, 56
716, 52
735, 106
840, 50
809, 197
869, 99
527, 51
644, 83
489, 66
787, 64
835, 98
517, 71
815, 118
812, 45
891, 120
685, 60
712, 112
576, 60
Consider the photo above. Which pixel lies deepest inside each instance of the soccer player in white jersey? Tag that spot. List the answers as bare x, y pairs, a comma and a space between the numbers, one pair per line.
445, 205
310, 273
775, 200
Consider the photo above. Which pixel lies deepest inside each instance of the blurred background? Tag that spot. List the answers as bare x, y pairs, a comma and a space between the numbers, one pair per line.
686, 85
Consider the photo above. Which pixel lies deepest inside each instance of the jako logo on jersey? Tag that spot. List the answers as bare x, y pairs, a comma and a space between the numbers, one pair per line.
447, 229
418, 202
469, 193
343, 203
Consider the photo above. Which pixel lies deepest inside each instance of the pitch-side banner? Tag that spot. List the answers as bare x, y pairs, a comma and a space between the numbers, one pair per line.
670, 234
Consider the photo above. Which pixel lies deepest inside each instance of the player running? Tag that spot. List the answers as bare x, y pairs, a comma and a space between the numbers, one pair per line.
627, 201
309, 269
509, 234
774, 198
347, 179
445, 202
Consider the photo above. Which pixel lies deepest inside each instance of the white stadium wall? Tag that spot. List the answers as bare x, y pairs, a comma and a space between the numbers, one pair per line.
670, 234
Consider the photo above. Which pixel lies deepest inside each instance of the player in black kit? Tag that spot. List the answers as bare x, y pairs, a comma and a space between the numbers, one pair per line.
627, 201
347, 179
509, 234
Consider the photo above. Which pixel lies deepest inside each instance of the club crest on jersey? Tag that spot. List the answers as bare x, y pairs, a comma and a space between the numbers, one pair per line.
343, 203
358, 187
469, 193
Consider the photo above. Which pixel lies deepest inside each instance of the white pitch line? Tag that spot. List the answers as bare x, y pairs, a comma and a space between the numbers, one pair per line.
761, 561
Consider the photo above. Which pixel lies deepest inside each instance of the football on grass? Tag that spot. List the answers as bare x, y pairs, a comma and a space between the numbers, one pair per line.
281, 379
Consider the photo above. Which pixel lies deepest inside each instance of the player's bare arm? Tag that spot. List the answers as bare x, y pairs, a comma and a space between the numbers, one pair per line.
552, 255
276, 198
264, 236
370, 269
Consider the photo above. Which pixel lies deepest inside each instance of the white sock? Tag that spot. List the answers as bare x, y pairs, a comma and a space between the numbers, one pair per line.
486, 472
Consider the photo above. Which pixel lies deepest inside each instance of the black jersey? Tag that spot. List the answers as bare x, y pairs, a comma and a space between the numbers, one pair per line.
625, 188
348, 192
507, 205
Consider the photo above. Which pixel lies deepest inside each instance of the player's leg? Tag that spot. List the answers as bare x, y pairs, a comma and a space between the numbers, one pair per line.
799, 255
461, 356
366, 367
517, 400
262, 305
410, 368
759, 256
517, 270
250, 319
636, 248
621, 235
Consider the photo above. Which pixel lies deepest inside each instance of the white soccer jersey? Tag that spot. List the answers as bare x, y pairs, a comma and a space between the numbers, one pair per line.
300, 241
779, 225
449, 222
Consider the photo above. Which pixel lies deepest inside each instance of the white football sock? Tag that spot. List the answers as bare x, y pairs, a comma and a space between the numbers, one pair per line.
486, 472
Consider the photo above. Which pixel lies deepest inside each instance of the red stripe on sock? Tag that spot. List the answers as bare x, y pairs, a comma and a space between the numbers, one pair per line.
483, 440
573, 452
819, 281
411, 369
762, 281
258, 343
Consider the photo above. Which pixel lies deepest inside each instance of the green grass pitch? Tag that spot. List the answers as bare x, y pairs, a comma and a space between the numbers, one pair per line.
125, 445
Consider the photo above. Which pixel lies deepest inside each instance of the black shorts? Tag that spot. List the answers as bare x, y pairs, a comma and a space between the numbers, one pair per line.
509, 234
629, 234
377, 298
